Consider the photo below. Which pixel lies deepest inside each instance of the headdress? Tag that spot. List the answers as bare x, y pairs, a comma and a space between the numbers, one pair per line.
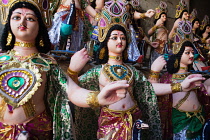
205, 22
193, 15
180, 7
46, 8
184, 33
160, 9
114, 12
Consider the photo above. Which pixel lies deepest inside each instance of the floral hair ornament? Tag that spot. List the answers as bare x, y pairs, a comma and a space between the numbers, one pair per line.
184, 33
46, 8
162, 8
193, 15
205, 22
180, 7
114, 12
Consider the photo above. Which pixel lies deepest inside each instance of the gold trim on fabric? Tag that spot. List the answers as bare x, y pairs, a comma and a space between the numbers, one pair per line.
2, 109
29, 109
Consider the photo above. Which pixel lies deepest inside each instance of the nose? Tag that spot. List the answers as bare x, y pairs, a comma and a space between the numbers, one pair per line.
191, 54
23, 21
119, 39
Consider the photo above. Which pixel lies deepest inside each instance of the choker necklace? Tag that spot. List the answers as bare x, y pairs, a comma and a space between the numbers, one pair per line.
183, 68
23, 44
118, 58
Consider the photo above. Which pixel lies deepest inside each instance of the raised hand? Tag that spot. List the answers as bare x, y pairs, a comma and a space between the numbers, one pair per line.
150, 13
158, 64
192, 81
78, 60
113, 92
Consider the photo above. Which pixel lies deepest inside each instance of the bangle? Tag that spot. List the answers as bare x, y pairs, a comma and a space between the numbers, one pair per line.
142, 15
154, 28
73, 75
154, 75
176, 87
97, 17
92, 99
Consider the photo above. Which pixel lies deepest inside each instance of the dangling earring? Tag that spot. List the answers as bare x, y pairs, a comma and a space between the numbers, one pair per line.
176, 63
41, 43
102, 53
9, 39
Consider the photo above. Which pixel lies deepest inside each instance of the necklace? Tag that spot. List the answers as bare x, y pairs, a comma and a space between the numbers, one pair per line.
117, 58
24, 44
183, 68
117, 72
180, 76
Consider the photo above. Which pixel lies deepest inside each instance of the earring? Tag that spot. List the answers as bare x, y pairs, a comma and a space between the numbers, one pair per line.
102, 53
176, 63
9, 39
41, 43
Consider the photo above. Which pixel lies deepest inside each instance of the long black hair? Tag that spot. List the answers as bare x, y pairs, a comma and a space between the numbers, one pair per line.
180, 16
104, 45
202, 31
177, 57
42, 33
160, 17
193, 22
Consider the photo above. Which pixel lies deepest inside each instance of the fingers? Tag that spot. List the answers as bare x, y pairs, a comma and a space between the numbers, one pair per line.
121, 93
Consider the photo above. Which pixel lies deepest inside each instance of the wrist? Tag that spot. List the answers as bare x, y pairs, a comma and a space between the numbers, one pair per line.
176, 87
142, 15
92, 99
154, 75
73, 75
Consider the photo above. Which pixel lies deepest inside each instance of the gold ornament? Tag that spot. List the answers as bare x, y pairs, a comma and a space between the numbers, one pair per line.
176, 87
117, 58
9, 39
205, 22
45, 8
24, 44
73, 75
160, 9
41, 43
102, 53
154, 75
180, 7
92, 99
193, 15
176, 63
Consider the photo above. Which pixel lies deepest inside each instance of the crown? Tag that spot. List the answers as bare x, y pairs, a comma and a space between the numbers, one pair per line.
205, 22
114, 12
46, 8
160, 9
193, 15
180, 7
184, 33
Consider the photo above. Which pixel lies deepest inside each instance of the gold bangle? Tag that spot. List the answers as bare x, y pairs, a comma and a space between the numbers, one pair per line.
176, 87
97, 17
154, 28
92, 99
154, 74
73, 75
142, 15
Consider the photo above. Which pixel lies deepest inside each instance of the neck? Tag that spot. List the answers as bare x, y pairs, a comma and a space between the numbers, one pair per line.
115, 59
25, 51
183, 69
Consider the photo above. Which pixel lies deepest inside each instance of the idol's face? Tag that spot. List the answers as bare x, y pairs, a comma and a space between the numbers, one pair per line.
187, 56
185, 16
196, 25
24, 25
116, 43
163, 17
208, 29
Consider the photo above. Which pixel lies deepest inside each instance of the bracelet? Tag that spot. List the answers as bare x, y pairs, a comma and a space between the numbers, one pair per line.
97, 17
73, 75
176, 87
92, 99
142, 15
154, 74
154, 28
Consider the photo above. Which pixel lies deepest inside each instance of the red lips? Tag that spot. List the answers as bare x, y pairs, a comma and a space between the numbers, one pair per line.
22, 28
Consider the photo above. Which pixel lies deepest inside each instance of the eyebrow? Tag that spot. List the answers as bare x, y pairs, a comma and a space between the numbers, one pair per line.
117, 34
26, 13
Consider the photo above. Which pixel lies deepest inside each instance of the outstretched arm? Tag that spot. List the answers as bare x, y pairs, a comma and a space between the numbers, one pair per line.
110, 94
171, 34
150, 13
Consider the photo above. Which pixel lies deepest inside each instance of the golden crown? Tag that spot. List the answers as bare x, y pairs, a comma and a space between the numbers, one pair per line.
184, 33
160, 9
114, 12
193, 15
180, 7
46, 8
205, 22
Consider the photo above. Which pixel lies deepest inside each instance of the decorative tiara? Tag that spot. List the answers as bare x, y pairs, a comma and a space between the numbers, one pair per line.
180, 7
162, 8
193, 15
205, 22
46, 8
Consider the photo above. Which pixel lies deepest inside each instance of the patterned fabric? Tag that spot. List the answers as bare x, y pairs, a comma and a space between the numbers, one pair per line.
58, 103
40, 127
194, 121
144, 95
